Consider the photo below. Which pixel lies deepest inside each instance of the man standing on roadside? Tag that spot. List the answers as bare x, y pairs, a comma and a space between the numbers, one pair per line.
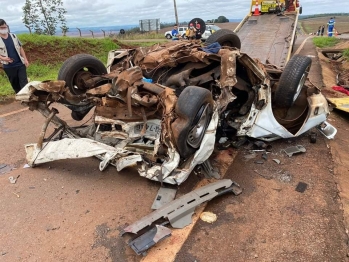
174, 33
330, 26
13, 58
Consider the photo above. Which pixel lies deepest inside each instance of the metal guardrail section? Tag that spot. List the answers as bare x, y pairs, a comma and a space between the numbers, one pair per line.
268, 37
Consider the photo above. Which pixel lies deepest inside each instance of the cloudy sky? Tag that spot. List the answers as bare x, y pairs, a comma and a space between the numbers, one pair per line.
83, 13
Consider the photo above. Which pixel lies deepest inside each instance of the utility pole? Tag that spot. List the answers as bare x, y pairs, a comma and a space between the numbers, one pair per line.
175, 8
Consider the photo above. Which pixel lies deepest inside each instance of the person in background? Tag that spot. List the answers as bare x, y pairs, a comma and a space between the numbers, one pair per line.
13, 58
175, 33
198, 31
319, 30
322, 30
191, 32
330, 26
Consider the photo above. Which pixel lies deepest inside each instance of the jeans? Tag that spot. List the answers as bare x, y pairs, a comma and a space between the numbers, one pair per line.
17, 76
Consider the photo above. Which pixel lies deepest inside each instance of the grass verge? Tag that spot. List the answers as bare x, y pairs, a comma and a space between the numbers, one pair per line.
346, 53
325, 41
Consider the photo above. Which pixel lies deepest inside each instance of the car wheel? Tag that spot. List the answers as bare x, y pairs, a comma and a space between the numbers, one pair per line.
199, 21
224, 37
194, 109
168, 36
79, 68
292, 81
78, 116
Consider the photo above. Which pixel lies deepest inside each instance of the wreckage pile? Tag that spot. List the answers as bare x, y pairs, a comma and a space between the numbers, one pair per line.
163, 107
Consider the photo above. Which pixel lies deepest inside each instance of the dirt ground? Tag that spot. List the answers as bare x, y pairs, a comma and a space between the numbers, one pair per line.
70, 211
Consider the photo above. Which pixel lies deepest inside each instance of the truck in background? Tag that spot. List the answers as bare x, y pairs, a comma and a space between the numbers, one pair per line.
268, 31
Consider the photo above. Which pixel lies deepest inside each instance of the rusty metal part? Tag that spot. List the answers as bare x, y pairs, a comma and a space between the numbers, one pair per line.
121, 112
75, 99
154, 88
180, 78
56, 86
207, 77
99, 90
88, 81
168, 100
44, 127
228, 68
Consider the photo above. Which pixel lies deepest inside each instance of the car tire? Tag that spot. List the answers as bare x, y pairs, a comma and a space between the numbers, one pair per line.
77, 67
78, 116
200, 22
194, 109
224, 37
168, 36
292, 81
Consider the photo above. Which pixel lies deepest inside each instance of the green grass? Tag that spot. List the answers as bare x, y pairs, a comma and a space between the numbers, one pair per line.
325, 41
346, 53
139, 36
5, 87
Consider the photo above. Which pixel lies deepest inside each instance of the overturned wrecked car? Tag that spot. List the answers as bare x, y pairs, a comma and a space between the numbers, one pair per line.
164, 107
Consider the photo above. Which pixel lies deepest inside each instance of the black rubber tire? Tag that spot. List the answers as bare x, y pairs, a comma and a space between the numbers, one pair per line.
224, 37
168, 36
78, 116
199, 21
292, 81
189, 103
76, 63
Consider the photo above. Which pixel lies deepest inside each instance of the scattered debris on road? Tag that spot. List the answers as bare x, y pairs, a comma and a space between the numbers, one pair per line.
13, 180
178, 213
208, 217
290, 151
277, 161
164, 196
301, 187
312, 137
17, 195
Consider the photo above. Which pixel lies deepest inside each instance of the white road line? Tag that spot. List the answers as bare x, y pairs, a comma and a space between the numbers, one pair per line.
302, 45
14, 112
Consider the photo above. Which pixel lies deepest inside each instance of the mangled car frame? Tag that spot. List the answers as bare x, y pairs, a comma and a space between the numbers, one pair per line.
164, 107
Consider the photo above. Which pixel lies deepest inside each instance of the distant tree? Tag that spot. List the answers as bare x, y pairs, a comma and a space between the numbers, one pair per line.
43, 16
31, 17
65, 29
222, 19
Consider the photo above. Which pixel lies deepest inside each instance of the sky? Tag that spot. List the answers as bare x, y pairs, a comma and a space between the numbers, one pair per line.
89, 13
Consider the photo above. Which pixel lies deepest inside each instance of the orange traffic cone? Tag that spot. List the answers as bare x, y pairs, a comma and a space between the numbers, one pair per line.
256, 10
